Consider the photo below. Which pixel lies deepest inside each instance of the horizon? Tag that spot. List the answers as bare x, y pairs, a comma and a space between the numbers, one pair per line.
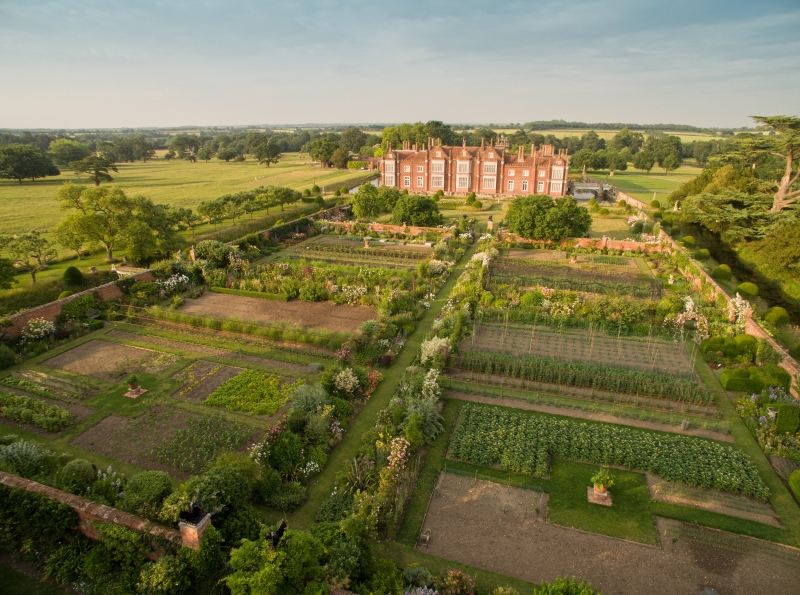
82, 64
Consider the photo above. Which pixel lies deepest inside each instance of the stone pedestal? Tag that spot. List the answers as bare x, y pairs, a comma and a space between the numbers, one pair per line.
133, 393
603, 499
192, 534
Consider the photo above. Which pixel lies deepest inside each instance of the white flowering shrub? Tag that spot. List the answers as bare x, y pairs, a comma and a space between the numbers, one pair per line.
346, 381
37, 329
353, 294
174, 282
430, 348
437, 267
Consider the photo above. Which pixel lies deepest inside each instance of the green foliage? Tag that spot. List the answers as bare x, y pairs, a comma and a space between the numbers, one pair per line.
79, 307
540, 217
747, 289
655, 204
73, 276
788, 418
689, 242
286, 453
722, 272
416, 210
18, 161
523, 442
64, 294
145, 492
702, 254
288, 497
253, 391
213, 251
455, 582
76, 475
603, 211
794, 483
23, 458
8, 357
33, 411
34, 516
755, 379
256, 294
565, 586
776, 316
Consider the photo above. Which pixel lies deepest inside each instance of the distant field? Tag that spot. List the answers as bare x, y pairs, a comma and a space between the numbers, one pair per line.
686, 137
33, 205
642, 185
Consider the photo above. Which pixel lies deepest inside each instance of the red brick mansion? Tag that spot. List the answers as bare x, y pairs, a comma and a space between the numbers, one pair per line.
486, 170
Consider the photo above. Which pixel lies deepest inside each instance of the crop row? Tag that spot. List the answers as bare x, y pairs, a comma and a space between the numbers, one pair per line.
32, 411
595, 376
253, 391
374, 250
524, 442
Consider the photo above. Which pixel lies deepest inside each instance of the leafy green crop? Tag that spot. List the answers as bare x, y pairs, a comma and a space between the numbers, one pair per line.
253, 391
32, 411
523, 442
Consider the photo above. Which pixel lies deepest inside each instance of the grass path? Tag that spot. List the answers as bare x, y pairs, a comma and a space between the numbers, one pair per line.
324, 483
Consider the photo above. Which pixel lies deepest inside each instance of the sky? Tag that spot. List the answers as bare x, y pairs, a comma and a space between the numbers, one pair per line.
142, 63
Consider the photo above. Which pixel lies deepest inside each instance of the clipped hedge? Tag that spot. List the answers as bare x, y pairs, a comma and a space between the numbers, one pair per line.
747, 289
702, 254
689, 242
776, 316
278, 297
755, 379
794, 483
722, 272
731, 347
788, 418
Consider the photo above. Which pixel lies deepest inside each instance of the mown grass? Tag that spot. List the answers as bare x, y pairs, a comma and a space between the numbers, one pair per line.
16, 583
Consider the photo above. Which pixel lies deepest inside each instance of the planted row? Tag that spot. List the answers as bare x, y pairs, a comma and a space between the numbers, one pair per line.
32, 411
584, 375
253, 391
523, 442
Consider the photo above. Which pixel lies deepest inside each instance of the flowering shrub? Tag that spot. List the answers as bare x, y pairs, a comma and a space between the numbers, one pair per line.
346, 381
37, 329
437, 267
433, 347
353, 294
176, 281
455, 582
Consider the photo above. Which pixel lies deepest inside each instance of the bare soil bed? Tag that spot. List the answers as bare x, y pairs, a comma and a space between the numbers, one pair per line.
124, 335
374, 243
471, 524
102, 359
308, 315
131, 440
736, 505
79, 413
581, 346
562, 257
590, 415
59, 386
203, 378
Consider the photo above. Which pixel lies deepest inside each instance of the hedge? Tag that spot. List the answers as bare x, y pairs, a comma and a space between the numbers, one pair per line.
755, 379
794, 483
747, 289
776, 316
278, 297
788, 418
731, 347
722, 271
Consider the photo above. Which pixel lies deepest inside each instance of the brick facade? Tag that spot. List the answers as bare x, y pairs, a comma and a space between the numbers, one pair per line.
488, 170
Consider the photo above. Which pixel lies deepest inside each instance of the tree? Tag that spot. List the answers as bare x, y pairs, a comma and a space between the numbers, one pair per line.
97, 167
416, 210
7, 273
436, 129
339, 159
540, 217
69, 234
227, 153
671, 162
18, 162
785, 145
31, 251
633, 141
64, 151
188, 218
212, 211
592, 141
367, 202
581, 158
322, 150
101, 215
267, 152
644, 161
150, 232
204, 154
616, 161
185, 146
142, 148
352, 139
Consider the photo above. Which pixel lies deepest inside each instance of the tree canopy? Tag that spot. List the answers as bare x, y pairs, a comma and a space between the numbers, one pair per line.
416, 210
96, 168
19, 162
30, 251
542, 218
65, 151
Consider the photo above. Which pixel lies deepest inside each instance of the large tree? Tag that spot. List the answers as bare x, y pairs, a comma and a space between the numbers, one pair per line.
352, 139
18, 162
540, 217
64, 151
322, 150
416, 210
142, 148
644, 161
7, 273
367, 202
785, 145
267, 153
339, 158
96, 167
31, 251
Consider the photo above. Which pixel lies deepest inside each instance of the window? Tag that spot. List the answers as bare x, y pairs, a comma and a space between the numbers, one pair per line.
420, 169
406, 168
540, 187
511, 185
419, 182
437, 181
555, 186
463, 182
490, 168
524, 185
542, 173
525, 173
491, 155
389, 181
437, 166
438, 153
463, 167
389, 167
407, 181
489, 183
511, 172
558, 173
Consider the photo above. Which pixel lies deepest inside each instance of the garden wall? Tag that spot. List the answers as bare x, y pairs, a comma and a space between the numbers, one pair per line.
591, 243
89, 511
634, 202
49, 311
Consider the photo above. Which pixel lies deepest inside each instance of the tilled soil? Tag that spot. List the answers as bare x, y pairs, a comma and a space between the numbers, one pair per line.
469, 524
124, 335
590, 415
101, 359
308, 315
208, 384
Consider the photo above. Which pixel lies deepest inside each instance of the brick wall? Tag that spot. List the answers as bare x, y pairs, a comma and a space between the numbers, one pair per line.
89, 511
49, 311
412, 230
634, 202
590, 243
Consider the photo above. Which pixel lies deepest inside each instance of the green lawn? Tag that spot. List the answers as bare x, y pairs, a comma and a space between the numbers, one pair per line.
16, 583
642, 185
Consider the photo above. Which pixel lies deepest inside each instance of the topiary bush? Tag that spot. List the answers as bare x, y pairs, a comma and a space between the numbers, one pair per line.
64, 294
603, 211
145, 492
8, 356
722, 272
73, 276
655, 204
702, 254
788, 418
794, 483
741, 380
747, 289
76, 476
689, 241
776, 316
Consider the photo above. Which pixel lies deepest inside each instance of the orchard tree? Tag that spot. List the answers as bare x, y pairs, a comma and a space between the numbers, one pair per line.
18, 162
65, 151
212, 211
31, 251
7, 273
101, 215
70, 235
96, 167
671, 162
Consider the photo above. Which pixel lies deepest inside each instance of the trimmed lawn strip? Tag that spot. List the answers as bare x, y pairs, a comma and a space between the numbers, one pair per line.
321, 488
782, 501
